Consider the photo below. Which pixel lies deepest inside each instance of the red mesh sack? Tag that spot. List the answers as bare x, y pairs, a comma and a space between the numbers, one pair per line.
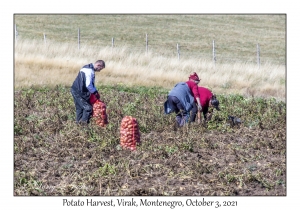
130, 134
99, 113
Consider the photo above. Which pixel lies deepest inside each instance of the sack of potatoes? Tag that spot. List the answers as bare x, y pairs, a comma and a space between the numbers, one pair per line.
130, 134
99, 113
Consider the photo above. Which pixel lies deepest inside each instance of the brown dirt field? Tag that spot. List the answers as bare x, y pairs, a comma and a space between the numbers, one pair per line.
54, 156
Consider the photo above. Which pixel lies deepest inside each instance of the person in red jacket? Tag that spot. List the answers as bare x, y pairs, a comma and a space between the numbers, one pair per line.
193, 85
207, 100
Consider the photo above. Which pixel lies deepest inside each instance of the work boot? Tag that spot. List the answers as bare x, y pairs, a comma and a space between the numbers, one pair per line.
83, 123
178, 120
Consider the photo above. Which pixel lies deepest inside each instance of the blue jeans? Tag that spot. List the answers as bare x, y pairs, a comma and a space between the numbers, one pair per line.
84, 109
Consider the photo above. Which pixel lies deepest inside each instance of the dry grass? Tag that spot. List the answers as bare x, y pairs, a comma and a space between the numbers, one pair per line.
236, 37
37, 63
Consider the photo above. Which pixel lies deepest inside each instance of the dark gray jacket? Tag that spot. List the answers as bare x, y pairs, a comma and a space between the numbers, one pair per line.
182, 91
84, 83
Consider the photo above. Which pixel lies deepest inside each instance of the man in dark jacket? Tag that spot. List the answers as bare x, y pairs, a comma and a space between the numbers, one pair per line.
82, 89
180, 100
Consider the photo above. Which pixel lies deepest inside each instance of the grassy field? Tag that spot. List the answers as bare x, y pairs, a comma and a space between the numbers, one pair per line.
236, 36
236, 72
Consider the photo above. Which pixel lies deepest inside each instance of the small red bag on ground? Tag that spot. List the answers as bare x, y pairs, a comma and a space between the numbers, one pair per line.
130, 134
99, 113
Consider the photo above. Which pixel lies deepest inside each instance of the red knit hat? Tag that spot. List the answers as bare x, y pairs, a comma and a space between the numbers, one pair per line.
194, 76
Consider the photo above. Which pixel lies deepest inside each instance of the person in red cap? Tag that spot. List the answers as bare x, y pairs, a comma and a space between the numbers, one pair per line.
207, 100
193, 85
182, 100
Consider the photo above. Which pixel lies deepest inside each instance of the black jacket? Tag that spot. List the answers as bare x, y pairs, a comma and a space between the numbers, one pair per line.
79, 85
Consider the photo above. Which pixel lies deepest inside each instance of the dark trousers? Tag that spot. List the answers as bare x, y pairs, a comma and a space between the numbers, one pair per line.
83, 107
176, 106
194, 112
